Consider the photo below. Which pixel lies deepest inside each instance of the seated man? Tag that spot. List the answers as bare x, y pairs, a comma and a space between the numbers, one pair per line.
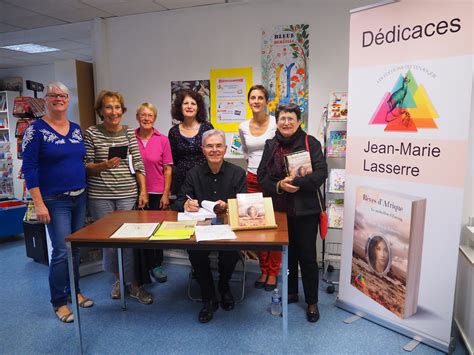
216, 181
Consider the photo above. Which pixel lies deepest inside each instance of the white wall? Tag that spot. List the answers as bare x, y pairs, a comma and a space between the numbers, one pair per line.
146, 52
39, 73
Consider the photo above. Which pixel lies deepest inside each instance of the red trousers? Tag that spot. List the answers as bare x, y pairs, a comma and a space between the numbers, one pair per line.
270, 261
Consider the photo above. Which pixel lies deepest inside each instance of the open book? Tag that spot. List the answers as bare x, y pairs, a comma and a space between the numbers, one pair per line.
206, 211
251, 211
135, 230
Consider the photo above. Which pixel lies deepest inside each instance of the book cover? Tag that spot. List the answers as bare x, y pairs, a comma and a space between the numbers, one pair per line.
335, 211
135, 230
387, 248
336, 145
251, 209
298, 164
336, 180
337, 107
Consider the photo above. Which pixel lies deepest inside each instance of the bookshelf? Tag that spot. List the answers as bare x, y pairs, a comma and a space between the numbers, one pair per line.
335, 127
7, 150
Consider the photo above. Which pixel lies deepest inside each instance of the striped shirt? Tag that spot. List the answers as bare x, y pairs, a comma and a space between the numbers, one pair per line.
115, 183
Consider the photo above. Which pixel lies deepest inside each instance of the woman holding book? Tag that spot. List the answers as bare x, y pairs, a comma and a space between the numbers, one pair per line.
297, 196
156, 154
116, 183
53, 154
186, 137
253, 134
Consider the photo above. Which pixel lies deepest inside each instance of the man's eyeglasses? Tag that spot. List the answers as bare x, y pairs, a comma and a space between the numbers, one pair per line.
214, 146
58, 96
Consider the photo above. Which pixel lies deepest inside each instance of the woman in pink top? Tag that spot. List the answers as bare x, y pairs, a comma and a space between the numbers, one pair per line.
156, 154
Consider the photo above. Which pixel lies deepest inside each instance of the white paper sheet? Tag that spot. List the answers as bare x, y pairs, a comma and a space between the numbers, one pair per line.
135, 230
214, 232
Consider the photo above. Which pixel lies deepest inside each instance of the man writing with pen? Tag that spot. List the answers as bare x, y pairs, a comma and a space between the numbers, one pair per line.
217, 181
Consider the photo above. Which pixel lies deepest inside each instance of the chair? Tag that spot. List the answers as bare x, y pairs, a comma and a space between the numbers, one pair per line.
240, 278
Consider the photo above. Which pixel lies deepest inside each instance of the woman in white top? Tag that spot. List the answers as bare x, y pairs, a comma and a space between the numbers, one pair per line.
253, 134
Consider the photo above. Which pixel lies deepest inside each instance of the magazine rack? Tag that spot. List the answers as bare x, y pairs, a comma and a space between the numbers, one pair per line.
334, 127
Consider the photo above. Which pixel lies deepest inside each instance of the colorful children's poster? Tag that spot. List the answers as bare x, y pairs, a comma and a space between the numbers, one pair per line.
285, 54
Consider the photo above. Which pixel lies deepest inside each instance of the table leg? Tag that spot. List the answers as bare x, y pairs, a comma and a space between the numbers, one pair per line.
121, 278
284, 276
75, 308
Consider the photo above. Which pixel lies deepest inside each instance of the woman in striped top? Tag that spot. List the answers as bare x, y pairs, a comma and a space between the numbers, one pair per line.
115, 183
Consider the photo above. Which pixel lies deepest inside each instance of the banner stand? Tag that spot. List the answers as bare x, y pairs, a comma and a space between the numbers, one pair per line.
424, 338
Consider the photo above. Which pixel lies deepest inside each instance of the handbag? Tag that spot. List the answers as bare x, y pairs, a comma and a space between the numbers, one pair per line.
323, 215
323, 220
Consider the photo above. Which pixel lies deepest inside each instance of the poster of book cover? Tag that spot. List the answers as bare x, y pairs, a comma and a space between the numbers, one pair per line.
387, 248
298, 164
285, 54
335, 212
336, 180
337, 107
202, 87
251, 209
336, 144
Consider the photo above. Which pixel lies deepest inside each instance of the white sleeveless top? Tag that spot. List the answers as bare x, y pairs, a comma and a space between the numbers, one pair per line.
253, 146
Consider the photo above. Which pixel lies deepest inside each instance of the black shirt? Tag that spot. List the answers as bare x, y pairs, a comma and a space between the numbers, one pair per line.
202, 184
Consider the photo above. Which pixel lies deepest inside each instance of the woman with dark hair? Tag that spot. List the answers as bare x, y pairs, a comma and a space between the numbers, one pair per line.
186, 136
253, 134
297, 196
55, 175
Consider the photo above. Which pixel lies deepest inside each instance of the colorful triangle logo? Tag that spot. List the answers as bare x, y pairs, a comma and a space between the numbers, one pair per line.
406, 108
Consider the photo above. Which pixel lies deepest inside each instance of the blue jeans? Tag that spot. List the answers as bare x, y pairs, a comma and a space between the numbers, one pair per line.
67, 216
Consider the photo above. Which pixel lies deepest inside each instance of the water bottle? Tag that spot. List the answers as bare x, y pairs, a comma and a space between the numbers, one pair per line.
275, 307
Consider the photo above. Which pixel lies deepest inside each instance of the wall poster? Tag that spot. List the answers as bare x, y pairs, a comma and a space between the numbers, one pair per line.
229, 89
285, 54
406, 163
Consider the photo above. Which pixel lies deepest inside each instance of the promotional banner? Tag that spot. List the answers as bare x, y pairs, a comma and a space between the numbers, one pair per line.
229, 106
410, 82
285, 54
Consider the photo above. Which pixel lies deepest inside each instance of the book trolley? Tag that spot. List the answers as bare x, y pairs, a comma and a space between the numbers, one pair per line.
334, 120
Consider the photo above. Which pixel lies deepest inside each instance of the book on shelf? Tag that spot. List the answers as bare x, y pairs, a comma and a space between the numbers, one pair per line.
135, 231
336, 144
298, 164
5, 151
251, 211
337, 107
3, 102
387, 248
174, 230
335, 210
336, 180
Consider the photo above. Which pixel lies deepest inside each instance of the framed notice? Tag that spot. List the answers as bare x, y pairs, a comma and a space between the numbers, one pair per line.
229, 105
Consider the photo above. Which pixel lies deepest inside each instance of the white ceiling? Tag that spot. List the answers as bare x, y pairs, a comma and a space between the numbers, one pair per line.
48, 22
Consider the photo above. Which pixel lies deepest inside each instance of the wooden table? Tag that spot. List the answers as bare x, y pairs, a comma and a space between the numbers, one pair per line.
97, 235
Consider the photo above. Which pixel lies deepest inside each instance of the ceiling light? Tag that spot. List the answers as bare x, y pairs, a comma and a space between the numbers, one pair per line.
30, 48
